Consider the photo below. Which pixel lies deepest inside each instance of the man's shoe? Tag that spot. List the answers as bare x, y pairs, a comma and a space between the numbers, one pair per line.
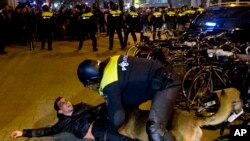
95, 49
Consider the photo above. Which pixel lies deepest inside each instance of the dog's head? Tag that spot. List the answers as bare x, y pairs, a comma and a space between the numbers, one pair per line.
234, 96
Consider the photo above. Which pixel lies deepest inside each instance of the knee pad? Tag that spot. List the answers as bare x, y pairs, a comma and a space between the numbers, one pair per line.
152, 127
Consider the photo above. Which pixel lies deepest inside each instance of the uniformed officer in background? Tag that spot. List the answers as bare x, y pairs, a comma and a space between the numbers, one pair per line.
115, 23
157, 22
171, 19
46, 25
88, 27
2, 33
131, 23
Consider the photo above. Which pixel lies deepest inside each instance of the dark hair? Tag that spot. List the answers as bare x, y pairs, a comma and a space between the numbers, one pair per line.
56, 107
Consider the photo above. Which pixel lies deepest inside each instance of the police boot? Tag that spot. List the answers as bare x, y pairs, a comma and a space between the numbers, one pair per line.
157, 133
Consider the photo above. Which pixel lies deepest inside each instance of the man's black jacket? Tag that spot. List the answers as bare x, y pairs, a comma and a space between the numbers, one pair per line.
76, 124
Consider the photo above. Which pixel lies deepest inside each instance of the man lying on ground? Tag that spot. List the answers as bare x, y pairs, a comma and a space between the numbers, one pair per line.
82, 120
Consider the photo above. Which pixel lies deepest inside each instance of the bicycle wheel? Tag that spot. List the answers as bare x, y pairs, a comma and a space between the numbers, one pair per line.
197, 94
188, 79
131, 51
143, 52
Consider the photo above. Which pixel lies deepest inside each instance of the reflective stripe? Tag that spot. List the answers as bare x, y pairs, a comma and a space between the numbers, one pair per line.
170, 13
181, 14
157, 14
200, 9
117, 12
47, 14
87, 14
110, 73
133, 14
189, 12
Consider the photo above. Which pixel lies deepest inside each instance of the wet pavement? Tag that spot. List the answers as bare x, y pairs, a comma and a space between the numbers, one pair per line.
30, 81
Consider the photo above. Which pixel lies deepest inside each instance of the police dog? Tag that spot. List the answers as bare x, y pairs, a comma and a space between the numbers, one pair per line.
185, 126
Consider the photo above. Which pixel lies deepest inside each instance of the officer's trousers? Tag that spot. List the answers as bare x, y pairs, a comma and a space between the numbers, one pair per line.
92, 37
126, 33
111, 36
161, 111
1, 46
44, 37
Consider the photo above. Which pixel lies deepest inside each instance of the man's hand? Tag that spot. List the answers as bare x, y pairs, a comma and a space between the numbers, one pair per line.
16, 134
89, 134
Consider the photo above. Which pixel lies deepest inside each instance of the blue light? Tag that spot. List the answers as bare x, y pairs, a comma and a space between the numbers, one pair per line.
210, 24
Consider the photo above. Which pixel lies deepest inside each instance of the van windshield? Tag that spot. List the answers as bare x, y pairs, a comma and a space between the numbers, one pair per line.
222, 14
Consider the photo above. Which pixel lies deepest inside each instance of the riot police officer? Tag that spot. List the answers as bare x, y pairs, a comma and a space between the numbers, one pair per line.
88, 26
171, 19
115, 21
131, 21
2, 33
157, 22
126, 82
45, 27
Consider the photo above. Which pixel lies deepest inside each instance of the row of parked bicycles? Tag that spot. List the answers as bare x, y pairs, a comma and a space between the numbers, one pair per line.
205, 63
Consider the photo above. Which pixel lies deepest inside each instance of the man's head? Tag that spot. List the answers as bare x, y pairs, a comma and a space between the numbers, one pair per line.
63, 106
88, 72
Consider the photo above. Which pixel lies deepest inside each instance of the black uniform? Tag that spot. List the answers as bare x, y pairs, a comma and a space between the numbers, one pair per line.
131, 22
157, 22
129, 81
115, 21
171, 20
45, 28
2, 33
88, 26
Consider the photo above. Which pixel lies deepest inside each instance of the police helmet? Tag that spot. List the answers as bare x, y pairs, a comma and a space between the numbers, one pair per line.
45, 8
132, 8
88, 72
115, 6
156, 9
87, 9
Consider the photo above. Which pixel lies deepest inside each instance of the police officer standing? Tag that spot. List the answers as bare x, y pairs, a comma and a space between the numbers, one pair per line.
115, 21
88, 26
2, 33
171, 19
157, 22
131, 21
45, 27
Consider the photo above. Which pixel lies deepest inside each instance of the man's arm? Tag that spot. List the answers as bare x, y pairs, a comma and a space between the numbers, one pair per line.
31, 133
39, 132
